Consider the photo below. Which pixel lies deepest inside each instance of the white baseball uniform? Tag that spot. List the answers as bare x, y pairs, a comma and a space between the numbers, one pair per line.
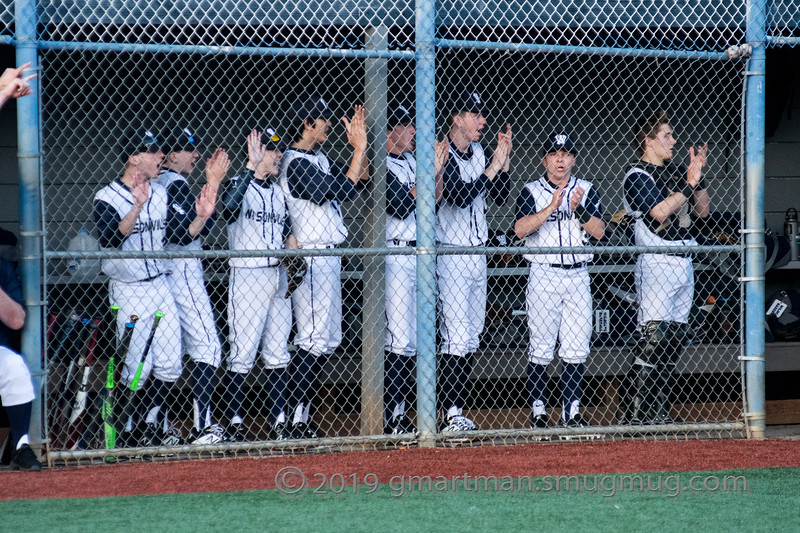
401, 270
258, 313
139, 286
461, 221
664, 282
187, 282
313, 187
558, 298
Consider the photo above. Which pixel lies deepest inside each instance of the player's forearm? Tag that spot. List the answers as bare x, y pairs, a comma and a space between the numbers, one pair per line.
531, 223
702, 203
359, 167
197, 226
668, 206
128, 222
595, 227
12, 314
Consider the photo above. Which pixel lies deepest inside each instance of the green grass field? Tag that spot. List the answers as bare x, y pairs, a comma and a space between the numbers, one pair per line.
768, 501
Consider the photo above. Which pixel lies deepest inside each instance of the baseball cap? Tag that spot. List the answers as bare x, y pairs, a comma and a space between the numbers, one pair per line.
312, 107
136, 142
558, 142
271, 139
181, 139
398, 114
469, 101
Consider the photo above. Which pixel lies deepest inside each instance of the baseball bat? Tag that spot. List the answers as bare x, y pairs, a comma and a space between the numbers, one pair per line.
77, 418
107, 401
128, 400
107, 413
66, 331
65, 383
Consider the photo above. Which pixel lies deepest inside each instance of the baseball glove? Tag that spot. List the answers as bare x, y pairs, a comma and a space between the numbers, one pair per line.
296, 269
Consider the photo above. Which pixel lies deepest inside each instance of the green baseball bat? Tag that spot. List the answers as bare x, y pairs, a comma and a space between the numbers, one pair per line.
107, 410
128, 400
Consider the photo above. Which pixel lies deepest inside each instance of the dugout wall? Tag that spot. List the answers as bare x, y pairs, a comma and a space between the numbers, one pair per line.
544, 67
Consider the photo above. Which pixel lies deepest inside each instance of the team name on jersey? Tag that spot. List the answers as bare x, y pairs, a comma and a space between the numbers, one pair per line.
561, 215
149, 226
264, 216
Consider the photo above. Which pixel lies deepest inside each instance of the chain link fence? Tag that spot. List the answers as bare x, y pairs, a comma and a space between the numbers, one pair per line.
548, 321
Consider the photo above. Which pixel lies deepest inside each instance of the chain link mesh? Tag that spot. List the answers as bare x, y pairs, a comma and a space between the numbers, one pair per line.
92, 98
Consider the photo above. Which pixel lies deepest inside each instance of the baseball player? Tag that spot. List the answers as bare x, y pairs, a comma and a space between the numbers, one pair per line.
258, 311
131, 214
663, 198
314, 186
470, 175
401, 270
198, 330
558, 209
16, 386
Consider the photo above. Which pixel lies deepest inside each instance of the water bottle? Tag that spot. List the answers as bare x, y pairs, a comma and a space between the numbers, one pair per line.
83, 242
790, 229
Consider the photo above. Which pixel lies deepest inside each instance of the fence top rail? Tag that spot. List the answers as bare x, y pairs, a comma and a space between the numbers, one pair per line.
408, 250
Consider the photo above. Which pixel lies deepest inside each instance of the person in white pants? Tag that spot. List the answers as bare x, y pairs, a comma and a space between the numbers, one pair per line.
558, 209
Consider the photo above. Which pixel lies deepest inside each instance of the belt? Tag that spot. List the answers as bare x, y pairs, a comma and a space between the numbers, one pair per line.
570, 267
685, 256
400, 242
319, 246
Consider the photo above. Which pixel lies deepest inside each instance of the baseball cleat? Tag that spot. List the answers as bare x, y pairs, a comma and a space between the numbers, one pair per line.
539, 422
574, 422
236, 433
400, 426
24, 459
305, 431
459, 423
172, 437
278, 432
210, 435
152, 435
577, 421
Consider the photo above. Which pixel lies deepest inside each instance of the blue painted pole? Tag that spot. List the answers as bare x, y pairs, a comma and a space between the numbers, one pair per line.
754, 222
426, 211
30, 211
578, 50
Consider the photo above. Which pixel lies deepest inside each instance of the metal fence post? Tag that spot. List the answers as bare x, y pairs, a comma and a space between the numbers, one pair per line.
374, 286
754, 212
30, 213
426, 258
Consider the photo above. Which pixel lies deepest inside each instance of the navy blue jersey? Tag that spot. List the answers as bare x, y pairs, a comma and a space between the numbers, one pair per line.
9, 282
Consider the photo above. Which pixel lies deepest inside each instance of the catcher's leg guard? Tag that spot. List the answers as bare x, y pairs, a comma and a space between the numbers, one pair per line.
644, 372
668, 376
643, 381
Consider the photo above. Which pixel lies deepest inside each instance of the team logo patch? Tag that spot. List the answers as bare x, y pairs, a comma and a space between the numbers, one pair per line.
476, 98
178, 209
561, 139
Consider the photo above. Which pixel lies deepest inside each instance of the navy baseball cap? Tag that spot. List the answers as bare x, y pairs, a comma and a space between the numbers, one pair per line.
271, 139
311, 107
398, 114
558, 142
136, 142
469, 101
181, 139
